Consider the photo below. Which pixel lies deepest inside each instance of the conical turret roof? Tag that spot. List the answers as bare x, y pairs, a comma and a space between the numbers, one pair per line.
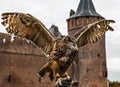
86, 8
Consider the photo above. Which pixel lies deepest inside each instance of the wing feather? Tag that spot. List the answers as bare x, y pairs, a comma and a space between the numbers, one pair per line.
92, 32
27, 26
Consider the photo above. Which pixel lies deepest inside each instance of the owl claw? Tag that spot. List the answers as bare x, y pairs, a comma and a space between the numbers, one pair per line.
63, 81
58, 82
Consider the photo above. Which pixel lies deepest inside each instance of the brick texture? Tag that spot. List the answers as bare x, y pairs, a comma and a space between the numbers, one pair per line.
19, 63
92, 57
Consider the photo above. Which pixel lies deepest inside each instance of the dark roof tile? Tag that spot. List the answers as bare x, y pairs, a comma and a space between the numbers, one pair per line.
86, 8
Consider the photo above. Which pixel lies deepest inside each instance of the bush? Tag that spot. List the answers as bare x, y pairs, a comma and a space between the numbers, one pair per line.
114, 84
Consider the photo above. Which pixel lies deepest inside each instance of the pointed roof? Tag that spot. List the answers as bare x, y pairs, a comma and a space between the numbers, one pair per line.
86, 8
55, 31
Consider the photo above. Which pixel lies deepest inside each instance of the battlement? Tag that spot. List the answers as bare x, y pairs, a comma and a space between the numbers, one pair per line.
20, 60
18, 45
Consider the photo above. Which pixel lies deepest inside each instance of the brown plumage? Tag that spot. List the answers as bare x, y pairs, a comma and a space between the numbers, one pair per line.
63, 51
62, 56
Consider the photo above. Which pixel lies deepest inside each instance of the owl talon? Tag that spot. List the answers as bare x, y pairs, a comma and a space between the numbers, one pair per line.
63, 81
58, 82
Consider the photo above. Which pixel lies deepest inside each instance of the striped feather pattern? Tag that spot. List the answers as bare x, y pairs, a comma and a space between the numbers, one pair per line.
27, 26
92, 32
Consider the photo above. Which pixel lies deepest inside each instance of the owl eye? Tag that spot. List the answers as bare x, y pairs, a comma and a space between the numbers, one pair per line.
27, 20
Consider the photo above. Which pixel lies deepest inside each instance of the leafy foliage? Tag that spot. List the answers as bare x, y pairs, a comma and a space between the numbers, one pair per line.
114, 84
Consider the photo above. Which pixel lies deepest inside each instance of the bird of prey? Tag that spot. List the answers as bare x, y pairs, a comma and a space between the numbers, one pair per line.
62, 51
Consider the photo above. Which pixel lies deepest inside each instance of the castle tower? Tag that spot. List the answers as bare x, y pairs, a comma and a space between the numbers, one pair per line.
92, 71
55, 31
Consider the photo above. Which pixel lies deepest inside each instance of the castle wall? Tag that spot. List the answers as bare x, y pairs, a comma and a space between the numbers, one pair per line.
93, 71
20, 61
92, 59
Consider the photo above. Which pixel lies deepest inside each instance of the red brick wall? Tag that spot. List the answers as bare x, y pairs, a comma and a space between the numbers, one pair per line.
19, 63
92, 58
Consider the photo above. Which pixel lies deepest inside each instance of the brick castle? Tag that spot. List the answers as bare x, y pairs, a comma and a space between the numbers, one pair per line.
21, 59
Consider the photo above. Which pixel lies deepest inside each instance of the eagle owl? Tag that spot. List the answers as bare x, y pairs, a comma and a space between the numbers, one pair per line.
63, 51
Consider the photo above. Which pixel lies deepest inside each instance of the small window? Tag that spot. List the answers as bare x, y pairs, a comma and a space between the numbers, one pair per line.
87, 70
98, 55
9, 78
39, 79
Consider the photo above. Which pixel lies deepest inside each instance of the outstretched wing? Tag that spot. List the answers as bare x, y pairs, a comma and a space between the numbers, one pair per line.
27, 26
92, 32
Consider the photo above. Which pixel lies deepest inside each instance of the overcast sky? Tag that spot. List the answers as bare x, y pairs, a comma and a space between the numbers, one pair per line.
57, 11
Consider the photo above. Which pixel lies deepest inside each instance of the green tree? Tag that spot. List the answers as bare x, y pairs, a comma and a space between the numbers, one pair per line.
114, 84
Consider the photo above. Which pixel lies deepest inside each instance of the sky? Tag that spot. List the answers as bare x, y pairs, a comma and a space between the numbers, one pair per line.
57, 11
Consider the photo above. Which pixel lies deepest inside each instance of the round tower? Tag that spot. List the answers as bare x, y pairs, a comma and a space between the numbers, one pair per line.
84, 15
92, 71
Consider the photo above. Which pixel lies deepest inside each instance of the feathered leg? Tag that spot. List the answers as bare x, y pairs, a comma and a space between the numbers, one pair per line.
44, 69
52, 67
